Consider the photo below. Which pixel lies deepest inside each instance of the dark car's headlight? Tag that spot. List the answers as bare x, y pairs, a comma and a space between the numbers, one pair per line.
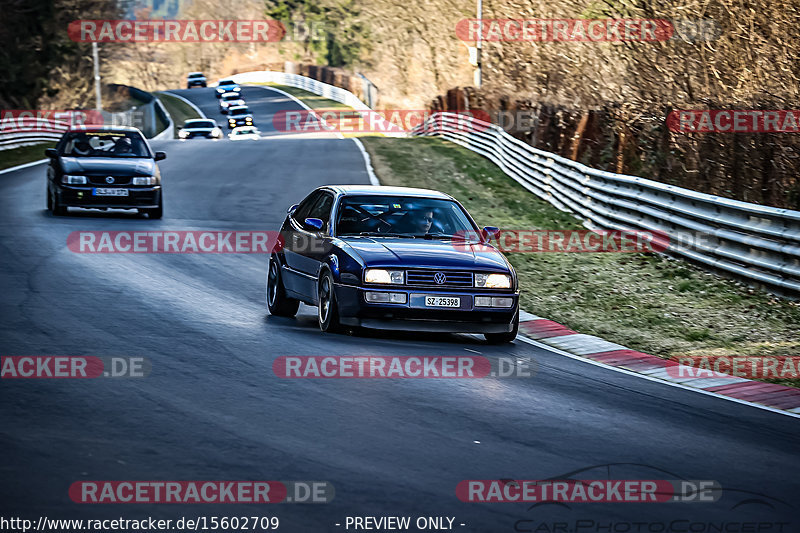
73, 180
145, 180
493, 281
380, 275
236, 89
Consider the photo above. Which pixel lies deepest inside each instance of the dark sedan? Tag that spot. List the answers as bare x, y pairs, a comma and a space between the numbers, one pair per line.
239, 116
392, 258
104, 167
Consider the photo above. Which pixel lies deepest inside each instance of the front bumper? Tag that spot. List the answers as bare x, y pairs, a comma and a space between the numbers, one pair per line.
81, 196
413, 315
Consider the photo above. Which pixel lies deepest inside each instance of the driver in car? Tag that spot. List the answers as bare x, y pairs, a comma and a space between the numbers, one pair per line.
81, 148
416, 221
123, 146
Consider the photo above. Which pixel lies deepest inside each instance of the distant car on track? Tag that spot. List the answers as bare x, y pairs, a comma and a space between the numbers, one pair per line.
230, 100
195, 79
227, 86
200, 127
392, 258
103, 167
243, 133
239, 116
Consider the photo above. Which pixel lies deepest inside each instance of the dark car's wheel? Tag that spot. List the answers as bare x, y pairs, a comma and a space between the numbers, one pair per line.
328, 308
277, 302
502, 338
55, 205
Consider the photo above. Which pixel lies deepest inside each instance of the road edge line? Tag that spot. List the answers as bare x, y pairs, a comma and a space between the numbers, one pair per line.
533, 342
24, 165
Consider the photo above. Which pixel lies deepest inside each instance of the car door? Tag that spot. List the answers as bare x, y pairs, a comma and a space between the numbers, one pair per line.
292, 233
310, 244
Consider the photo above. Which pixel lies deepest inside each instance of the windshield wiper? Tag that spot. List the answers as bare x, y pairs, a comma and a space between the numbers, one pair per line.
430, 236
378, 234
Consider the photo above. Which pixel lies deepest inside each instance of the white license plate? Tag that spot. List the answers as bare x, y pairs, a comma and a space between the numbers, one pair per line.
110, 192
442, 301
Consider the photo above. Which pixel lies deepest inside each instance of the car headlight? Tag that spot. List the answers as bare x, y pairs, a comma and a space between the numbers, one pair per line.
145, 180
237, 89
182, 134
220, 90
73, 180
216, 132
493, 281
379, 275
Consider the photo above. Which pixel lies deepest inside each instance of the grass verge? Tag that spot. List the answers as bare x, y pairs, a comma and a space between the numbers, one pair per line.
24, 154
179, 110
647, 302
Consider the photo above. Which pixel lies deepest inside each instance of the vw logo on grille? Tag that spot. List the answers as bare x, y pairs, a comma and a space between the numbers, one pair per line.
110, 179
439, 278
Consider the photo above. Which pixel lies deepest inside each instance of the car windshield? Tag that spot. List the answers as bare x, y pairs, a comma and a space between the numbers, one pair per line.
196, 75
227, 82
105, 144
239, 111
232, 96
401, 216
244, 131
199, 124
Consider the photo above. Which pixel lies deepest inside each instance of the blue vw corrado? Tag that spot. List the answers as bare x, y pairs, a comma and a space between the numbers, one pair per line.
392, 258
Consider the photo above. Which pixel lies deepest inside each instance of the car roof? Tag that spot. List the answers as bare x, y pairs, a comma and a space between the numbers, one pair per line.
380, 190
231, 93
198, 120
226, 81
101, 127
195, 74
237, 107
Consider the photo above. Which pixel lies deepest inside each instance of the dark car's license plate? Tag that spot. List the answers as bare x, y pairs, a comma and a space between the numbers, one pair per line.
442, 301
109, 192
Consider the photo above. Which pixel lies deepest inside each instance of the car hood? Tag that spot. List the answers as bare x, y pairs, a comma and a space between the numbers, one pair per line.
419, 253
118, 166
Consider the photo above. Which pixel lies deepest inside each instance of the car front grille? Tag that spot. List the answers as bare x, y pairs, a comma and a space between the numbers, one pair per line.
427, 278
101, 180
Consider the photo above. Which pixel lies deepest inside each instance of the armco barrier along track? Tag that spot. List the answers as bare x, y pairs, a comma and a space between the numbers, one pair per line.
758, 243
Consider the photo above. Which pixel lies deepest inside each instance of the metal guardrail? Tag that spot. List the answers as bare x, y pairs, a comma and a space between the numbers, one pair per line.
758, 243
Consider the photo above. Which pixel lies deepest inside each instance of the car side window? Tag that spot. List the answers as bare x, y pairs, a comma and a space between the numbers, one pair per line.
322, 210
301, 213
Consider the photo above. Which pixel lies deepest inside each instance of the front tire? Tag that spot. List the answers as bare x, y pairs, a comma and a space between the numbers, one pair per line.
55, 206
277, 302
504, 338
327, 306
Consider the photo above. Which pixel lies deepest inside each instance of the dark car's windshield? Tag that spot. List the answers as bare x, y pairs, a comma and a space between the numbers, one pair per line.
240, 111
104, 144
227, 82
401, 216
232, 96
196, 75
199, 124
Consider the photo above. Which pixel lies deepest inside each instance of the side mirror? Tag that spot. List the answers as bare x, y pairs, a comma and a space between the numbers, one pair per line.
160, 156
489, 232
292, 209
51, 153
314, 223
